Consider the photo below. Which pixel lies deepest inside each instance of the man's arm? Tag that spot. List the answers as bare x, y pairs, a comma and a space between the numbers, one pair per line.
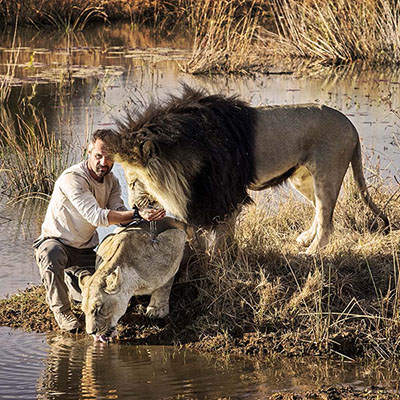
125, 217
120, 217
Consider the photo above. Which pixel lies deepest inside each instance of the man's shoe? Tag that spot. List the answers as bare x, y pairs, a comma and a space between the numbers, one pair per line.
67, 321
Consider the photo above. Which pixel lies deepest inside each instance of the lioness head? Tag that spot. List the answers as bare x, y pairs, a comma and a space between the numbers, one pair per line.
104, 303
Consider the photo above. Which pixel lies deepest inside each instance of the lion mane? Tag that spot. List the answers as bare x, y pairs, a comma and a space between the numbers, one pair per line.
202, 152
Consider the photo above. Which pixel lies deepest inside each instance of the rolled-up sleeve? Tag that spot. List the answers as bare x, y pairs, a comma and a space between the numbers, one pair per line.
77, 190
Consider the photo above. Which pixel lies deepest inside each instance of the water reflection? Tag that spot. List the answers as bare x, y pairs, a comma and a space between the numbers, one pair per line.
79, 368
67, 367
19, 225
21, 363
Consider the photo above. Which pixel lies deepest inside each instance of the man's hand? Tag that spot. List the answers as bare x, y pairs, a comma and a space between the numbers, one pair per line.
152, 214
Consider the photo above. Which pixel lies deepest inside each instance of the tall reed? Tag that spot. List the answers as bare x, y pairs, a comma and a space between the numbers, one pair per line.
224, 36
31, 157
337, 31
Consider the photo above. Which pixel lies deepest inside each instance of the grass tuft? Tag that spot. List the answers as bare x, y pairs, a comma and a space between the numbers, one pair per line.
32, 157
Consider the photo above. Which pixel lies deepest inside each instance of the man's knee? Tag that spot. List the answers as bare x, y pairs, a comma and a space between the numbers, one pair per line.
51, 256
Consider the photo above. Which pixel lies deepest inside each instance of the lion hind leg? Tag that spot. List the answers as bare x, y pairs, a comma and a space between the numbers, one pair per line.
302, 181
326, 194
305, 238
159, 301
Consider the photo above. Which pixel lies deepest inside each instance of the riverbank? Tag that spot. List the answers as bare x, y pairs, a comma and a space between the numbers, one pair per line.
263, 297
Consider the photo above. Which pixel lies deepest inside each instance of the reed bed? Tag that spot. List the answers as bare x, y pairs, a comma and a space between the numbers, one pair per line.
241, 35
223, 37
75, 14
31, 157
337, 31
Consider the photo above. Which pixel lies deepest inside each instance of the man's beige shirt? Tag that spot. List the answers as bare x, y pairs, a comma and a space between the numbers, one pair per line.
79, 204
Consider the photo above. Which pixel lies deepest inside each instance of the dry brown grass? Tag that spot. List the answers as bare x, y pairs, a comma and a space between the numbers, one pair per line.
343, 301
337, 31
32, 157
224, 37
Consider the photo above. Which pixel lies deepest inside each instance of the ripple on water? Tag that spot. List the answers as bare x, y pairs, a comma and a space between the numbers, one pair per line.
21, 363
67, 367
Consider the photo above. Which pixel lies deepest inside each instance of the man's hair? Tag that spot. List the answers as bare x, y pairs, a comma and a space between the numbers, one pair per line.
105, 135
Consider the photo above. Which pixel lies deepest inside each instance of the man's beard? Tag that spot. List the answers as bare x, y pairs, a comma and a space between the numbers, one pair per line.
102, 171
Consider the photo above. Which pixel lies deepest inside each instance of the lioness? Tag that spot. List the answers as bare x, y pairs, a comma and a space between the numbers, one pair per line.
197, 155
131, 262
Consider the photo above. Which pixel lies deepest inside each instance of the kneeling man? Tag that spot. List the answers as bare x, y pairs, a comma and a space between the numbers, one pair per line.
86, 196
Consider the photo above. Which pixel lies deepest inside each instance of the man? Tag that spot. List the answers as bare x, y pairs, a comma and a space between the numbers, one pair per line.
86, 196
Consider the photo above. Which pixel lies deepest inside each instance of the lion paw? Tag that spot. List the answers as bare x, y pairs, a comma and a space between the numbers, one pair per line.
157, 312
305, 239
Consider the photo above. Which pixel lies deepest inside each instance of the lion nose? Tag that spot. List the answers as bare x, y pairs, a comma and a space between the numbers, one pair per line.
93, 332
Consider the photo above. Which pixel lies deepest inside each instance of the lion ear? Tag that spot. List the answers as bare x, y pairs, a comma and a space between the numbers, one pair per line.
113, 281
149, 150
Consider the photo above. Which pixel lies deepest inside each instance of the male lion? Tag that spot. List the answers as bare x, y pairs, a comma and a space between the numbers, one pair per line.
198, 154
131, 263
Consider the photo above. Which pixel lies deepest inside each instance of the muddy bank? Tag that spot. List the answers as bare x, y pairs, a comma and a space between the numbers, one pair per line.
338, 393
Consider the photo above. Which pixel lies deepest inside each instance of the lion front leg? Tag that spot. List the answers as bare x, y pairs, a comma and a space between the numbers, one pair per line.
159, 301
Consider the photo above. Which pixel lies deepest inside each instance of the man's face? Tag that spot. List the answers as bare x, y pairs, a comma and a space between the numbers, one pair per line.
100, 162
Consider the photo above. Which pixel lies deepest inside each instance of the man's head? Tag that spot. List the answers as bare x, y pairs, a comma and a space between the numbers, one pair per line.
100, 160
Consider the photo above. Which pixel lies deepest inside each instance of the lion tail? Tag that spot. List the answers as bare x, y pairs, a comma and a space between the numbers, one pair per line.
356, 164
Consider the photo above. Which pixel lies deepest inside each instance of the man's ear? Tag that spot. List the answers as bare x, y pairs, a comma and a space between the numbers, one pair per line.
149, 150
113, 281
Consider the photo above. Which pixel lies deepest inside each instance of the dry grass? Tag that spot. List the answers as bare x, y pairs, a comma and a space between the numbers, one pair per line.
62, 14
344, 301
32, 157
73, 15
337, 31
224, 37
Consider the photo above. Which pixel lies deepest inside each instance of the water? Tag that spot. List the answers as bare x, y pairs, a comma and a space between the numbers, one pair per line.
61, 367
80, 83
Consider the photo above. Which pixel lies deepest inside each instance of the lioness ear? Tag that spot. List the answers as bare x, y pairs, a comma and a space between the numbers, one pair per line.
113, 281
149, 150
